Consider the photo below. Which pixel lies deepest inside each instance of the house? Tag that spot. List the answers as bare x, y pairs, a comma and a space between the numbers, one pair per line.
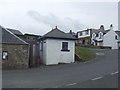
84, 37
15, 51
91, 36
57, 47
97, 36
118, 33
112, 39
106, 38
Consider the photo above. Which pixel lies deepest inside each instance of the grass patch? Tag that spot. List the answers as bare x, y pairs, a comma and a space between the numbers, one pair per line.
84, 53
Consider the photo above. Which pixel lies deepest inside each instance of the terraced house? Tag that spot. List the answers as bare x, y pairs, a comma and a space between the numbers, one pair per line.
99, 37
91, 36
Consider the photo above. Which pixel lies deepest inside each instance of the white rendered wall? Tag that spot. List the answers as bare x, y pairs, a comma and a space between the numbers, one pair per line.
52, 53
109, 40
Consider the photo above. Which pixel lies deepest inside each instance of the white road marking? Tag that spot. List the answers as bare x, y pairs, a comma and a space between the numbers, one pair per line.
114, 73
71, 84
97, 78
101, 54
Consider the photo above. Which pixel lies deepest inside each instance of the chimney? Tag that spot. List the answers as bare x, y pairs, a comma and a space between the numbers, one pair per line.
70, 32
101, 27
111, 27
55, 27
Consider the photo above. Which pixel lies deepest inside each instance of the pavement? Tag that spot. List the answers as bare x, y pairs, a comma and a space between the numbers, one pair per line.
100, 72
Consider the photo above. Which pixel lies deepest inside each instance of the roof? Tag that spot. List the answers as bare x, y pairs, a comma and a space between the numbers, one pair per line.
58, 34
106, 31
30, 38
32, 35
83, 30
9, 38
16, 32
95, 30
99, 30
118, 32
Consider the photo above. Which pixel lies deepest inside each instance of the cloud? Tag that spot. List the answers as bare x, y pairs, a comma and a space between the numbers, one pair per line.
52, 20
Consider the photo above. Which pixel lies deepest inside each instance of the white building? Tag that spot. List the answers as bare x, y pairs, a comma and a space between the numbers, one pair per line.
107, 38
57, 47
97, 36
112, 39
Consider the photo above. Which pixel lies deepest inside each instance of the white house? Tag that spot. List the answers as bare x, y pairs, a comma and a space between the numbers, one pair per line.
97, 36
111, 39
107, 38
57, 47
118, 33
91, 36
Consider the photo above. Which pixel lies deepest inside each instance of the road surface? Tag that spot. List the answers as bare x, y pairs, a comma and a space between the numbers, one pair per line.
102, 69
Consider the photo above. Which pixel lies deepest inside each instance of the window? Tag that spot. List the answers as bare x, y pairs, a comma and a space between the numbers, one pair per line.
65, 46
93, 35
41, 46
86, 32
96, 34
4, 55
100, 35
80, 33
116, 37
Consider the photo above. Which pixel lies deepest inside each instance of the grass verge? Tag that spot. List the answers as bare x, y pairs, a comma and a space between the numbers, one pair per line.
85, 54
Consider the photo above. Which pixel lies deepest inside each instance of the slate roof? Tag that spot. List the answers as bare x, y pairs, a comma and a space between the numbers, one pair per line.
16, 32
118, 32
58, 34
83, 30
98, 30
9, 38
106, 31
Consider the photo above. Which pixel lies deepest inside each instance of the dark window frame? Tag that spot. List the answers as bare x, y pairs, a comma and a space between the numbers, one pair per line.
87, 32
97, 35
116, 37
100, 35
65, 46
81, 34
41, 46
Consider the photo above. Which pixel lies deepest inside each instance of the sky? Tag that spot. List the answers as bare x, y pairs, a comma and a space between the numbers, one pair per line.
40, 16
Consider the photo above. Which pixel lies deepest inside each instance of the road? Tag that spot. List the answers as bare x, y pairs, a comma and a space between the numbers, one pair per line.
103, 68
108, 81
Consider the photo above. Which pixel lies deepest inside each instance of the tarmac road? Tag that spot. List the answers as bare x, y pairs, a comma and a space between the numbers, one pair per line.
103, 68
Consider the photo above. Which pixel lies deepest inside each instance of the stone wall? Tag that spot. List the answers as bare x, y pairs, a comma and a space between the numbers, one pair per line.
18, 56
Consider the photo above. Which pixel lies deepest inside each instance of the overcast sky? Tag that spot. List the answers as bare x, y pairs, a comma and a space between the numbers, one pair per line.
40, 16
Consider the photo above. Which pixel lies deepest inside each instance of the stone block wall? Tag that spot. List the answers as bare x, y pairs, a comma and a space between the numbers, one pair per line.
18, 56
